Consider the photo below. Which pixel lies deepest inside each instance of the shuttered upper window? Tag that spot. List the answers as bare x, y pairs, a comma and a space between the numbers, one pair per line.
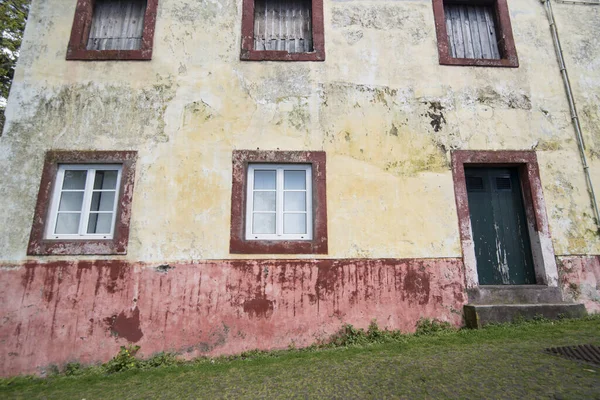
283, 30
283, 25
474, 32
117, 25
113, 30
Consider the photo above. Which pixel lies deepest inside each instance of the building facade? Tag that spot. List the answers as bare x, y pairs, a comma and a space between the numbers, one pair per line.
218, 176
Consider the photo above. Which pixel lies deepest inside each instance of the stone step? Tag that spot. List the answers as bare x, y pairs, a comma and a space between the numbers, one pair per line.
478, 315
514, 294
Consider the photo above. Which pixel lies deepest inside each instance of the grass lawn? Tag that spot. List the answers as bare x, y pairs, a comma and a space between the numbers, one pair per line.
497, 362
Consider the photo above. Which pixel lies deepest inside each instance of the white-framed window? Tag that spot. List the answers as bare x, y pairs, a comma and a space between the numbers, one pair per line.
279, 202
84, 201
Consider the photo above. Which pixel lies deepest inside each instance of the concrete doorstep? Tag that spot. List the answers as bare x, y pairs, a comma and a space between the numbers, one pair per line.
478, 315
507, 303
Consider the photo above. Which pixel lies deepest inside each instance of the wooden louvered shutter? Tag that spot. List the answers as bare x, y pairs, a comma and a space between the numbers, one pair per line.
503, 183
283, 25
472, 31
475, 183
117, 25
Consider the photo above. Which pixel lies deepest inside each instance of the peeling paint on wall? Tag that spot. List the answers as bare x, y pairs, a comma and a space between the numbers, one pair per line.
580, 280
108, 111
61, 311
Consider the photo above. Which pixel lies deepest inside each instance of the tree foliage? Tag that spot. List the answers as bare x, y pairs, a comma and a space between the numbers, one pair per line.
13, 15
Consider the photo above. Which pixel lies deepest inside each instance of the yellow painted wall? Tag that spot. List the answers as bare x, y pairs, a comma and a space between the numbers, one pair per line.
381, 106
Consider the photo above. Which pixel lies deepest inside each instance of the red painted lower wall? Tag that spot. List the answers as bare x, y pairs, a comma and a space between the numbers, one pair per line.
57, 312
579, 278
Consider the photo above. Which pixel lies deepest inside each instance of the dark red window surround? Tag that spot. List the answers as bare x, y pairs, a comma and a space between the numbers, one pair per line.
238, 243
248, 52
39, 245
81, 32
506, 44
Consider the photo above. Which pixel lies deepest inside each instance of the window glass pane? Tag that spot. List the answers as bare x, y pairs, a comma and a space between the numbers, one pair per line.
99, 223
74, 179
106, 179
294, 201
264, 179
294, 223
67, 223
294, 180
263, 223
264, 201
103, 201
70, 201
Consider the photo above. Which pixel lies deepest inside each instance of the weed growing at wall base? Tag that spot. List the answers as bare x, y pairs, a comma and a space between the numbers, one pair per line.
438, 364
124, 360
427, 326
348, 335
432, 331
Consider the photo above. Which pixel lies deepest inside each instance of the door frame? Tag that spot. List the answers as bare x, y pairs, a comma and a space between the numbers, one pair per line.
542, 249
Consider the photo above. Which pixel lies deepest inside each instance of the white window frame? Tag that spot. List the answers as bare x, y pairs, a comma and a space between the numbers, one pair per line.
87, 201
279, 235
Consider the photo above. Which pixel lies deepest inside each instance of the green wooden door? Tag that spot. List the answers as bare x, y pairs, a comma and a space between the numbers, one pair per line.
502, 247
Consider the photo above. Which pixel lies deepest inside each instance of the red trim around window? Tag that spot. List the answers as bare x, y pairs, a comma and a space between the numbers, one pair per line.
248, 53
238, 243
39, 245
506, 44
80, 33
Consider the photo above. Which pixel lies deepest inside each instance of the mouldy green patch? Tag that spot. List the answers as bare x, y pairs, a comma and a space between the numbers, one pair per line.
549, 145
197, 112
510, 99
299, 117
119, 113
574, 290
590, 119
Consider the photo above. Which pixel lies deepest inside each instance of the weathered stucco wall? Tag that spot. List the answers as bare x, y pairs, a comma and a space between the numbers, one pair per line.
65, 311
579, 26
381, 107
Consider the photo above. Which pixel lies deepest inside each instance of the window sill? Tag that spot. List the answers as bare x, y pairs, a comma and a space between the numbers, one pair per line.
109, 55
276, 55
480, 62
241, 246
55, 247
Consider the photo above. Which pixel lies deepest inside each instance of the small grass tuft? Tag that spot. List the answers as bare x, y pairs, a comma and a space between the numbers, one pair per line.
72, 369
426, 326
348, 335
160, 360
124, 360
